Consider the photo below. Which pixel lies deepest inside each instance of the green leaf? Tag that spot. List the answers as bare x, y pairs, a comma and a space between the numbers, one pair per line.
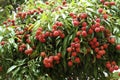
1, 37
65, 46
11, 40
36, 26
11, 68
64, 16
15, 72
115, 75
56, 17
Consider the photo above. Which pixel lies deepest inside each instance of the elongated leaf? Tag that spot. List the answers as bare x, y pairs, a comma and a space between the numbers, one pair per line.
65, 46
11, 68
15, 72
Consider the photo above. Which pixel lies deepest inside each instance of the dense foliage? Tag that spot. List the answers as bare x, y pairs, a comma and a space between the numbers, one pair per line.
61, 40
7, 7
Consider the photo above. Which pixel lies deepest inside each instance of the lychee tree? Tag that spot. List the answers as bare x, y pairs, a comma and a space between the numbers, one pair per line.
7, 7
61, 40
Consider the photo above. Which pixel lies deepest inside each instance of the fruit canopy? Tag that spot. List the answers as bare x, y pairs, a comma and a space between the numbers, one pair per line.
61, 40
